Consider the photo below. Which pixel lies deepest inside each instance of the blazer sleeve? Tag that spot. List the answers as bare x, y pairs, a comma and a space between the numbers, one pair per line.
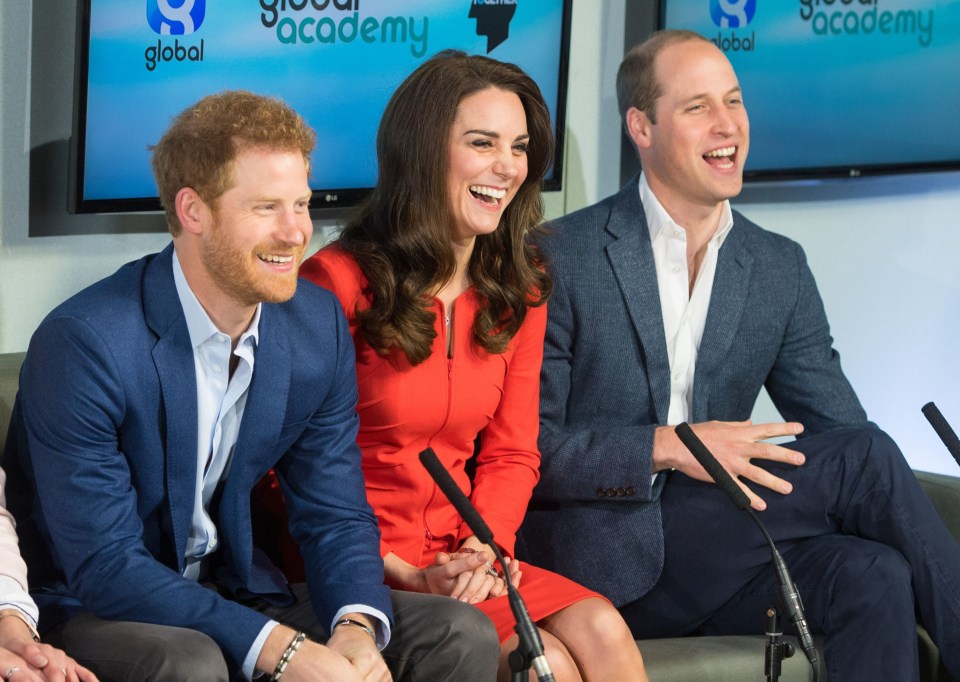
509, 460
13, 571
806, 382
323, 487
73, 410
336, 271
581, 461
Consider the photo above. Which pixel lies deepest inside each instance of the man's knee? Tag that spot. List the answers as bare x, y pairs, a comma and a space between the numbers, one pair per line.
871, 443
469, 637
438, 638
183, 655
124, 651
875, 579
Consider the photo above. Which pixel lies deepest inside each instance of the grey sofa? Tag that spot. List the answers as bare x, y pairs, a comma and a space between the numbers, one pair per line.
687, 659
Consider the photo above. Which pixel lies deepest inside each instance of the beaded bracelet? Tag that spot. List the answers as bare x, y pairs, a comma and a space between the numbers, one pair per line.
357, 624
287, 655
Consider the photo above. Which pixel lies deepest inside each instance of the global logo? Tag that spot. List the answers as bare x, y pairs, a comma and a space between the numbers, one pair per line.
175, 17
732, 13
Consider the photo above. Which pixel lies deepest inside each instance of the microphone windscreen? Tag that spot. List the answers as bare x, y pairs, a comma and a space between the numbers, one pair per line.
719, 475
943, 429
449, 487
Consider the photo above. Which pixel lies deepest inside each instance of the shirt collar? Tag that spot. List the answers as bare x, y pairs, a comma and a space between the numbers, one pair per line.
199, 324
658, 219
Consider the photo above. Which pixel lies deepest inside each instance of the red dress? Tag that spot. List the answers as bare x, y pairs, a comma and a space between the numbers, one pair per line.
443, 403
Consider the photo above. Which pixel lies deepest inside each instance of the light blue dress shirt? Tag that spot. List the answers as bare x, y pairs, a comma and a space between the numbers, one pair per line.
221, 399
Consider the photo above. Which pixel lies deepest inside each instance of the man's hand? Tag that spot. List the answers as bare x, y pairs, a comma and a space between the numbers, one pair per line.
312, 663
357, 646
734, 444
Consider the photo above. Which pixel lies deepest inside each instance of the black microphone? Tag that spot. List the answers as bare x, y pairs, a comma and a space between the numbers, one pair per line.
788, 591
940, 425
526, 630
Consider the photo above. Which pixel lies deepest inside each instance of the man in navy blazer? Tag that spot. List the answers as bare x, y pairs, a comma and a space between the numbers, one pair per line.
152, 402
669, 307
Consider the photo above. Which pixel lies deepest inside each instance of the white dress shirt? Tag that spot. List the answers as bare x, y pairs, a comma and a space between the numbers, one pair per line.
684, 311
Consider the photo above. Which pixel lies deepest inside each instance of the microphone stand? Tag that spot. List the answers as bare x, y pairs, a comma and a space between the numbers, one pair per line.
529, 651
529, 645
943, 429
777, 650
788, 591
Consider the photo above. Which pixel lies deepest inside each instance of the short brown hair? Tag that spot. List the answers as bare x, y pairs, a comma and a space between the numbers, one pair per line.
199, 148
637, 84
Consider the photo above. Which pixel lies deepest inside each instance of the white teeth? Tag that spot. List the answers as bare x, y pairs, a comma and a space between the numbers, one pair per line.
488, 191
271, 258
725, 151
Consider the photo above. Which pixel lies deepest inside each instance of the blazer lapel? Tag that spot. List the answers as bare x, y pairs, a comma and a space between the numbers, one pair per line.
260, 428
727, 301
173, 359
631, 257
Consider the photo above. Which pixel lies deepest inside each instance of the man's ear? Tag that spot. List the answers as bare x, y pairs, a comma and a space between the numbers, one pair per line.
191, 210
638, 127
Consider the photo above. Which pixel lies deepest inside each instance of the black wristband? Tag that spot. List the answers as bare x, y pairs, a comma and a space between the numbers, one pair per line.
357, 624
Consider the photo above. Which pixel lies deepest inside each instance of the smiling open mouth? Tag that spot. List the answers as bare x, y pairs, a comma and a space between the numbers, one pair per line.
722, 158
274, 258
488, 195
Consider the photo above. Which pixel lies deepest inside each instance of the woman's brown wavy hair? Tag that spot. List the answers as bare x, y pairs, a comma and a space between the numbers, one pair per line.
401, 235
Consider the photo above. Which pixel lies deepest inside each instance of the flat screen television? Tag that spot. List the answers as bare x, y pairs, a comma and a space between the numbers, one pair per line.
839, 87
140, 62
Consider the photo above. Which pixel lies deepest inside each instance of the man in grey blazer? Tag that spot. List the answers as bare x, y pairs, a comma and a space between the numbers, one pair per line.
668, 306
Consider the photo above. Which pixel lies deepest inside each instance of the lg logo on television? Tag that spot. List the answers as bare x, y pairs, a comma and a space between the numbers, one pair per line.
732, 13
175, 17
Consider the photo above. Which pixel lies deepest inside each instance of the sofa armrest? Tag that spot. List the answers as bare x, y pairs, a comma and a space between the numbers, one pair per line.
944, 493
9, 380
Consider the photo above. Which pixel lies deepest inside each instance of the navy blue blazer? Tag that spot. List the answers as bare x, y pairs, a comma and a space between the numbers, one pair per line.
605, 383
102, 458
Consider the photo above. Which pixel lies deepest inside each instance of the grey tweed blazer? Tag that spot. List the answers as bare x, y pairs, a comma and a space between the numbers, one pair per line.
605, 384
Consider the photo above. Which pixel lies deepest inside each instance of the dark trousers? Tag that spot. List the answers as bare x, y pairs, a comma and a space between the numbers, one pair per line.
433, 638
867, 551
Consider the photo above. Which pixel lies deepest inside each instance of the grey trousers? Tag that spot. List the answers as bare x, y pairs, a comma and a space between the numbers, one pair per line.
433, 638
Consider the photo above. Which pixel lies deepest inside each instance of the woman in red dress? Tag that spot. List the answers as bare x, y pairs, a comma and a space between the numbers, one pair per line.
445, 295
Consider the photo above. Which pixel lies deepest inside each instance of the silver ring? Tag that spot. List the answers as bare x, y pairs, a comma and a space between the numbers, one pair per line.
12, 669
491, 571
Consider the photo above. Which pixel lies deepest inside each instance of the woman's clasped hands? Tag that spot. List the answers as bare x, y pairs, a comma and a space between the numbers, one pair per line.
469, 573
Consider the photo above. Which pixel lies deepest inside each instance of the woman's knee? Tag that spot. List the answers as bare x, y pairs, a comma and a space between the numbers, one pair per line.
560, 659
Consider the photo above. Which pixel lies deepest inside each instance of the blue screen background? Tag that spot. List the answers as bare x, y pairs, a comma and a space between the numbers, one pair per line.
843, 99
339, 88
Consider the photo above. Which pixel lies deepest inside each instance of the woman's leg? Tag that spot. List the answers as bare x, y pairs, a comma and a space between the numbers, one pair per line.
561, 663
595, 635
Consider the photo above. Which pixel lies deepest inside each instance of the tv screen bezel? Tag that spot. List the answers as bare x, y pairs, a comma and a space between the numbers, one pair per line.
326, 201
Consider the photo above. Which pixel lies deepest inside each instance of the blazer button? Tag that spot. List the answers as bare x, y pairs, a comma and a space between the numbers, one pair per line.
630, 491
621, 492
601, 492
611, 492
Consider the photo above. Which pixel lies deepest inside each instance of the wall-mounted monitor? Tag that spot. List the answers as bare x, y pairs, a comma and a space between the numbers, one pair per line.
839, 87
140, 62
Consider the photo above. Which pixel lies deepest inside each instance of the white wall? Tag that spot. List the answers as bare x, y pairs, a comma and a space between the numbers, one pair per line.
882, 249
884, 253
